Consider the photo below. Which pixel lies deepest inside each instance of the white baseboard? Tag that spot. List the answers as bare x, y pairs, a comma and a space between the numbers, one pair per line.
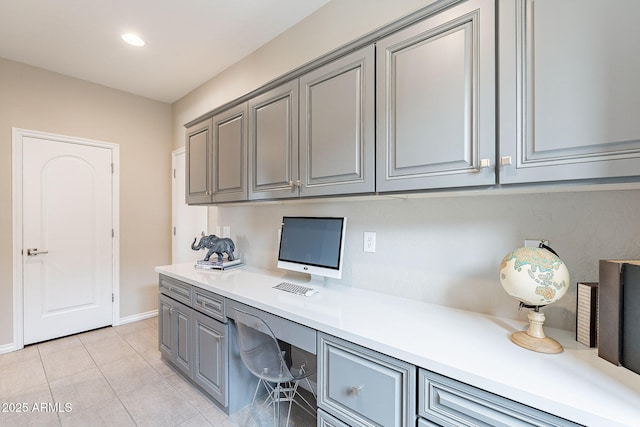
8, 348
139, 316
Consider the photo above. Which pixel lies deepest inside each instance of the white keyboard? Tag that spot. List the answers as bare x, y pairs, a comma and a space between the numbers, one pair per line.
295, 289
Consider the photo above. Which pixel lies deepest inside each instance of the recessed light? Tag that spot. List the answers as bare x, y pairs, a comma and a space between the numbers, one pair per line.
133, 39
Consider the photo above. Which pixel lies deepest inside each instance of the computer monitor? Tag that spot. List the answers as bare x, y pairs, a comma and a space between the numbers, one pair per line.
313, 245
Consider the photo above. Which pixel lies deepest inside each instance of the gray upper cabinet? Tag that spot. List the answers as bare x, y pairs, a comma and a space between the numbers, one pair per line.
273, 143
198, 167
229, 152
569, 90
337, 125
435, 94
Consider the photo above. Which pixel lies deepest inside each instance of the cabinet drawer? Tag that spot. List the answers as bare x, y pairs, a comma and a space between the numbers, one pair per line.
301, 336
175, 289
451, 403
424, 423
326, 420
209, 304
362, 387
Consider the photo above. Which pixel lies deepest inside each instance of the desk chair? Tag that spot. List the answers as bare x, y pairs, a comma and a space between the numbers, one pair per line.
264, 358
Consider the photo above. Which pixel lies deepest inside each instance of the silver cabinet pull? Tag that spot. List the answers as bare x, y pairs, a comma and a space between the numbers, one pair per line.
356, 390
505, 160
485, 163
35, 251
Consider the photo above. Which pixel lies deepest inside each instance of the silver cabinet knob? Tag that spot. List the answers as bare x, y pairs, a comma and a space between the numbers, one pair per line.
355, 391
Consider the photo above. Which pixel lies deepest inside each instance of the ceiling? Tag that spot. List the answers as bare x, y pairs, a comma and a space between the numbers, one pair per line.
187, 41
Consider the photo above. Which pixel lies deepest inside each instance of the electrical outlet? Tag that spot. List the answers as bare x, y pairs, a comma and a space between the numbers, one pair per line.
369, 241
534, 243
226, 231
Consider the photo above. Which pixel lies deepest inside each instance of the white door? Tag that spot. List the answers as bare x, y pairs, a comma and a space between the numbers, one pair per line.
188, 221
67, 240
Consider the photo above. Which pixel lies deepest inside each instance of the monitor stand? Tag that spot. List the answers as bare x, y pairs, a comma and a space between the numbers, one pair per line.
316, 280
305, 279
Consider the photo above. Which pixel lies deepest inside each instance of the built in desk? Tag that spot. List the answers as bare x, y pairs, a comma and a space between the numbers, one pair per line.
465, 347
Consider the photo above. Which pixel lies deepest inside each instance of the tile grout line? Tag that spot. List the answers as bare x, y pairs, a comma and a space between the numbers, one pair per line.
46, 376
163, 377
186, 398
107, 380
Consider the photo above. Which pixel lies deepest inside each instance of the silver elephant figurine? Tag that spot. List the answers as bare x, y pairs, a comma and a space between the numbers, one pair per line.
215, 245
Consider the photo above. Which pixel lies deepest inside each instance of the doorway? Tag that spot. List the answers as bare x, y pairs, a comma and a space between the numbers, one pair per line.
65, 235
189, 222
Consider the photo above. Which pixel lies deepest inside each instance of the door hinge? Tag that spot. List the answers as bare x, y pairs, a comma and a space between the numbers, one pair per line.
174, 231
113, 298
174, 174
113, 168
113, 233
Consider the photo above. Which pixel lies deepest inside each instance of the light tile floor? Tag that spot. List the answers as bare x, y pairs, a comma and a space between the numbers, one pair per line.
108, 377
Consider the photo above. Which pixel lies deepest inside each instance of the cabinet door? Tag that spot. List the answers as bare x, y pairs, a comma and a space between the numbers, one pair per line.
209, 370
435, 90
182, 339
230, 155
198, 167
569, 90
164, 326
174, 333
273, 143
337, 126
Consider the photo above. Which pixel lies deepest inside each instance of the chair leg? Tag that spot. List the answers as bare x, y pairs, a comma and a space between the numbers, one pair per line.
310, 408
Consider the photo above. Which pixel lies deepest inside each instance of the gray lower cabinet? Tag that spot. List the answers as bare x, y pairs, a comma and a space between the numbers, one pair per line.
569, 90
200, 342
360, 387
435, 95
209, 356
451, 403
175, 325
326, 420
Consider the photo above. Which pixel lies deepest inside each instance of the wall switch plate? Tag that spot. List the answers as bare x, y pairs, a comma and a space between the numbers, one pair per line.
369, 241
534, 243
226, 231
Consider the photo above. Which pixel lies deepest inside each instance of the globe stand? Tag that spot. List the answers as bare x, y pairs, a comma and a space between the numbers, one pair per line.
534, 338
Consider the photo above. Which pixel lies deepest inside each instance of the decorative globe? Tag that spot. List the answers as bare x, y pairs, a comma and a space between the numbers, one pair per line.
535, 276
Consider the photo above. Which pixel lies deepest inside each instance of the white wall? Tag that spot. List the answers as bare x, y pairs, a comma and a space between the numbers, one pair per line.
445, 249
35, 99
330, 27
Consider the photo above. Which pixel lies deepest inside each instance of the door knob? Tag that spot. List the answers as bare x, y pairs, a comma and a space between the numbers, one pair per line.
35, 251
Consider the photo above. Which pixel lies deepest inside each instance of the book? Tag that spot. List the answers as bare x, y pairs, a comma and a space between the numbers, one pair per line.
587, 314
614, 276
219, 265
630, 352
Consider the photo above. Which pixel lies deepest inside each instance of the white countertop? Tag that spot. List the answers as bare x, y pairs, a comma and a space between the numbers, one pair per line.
470, 347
